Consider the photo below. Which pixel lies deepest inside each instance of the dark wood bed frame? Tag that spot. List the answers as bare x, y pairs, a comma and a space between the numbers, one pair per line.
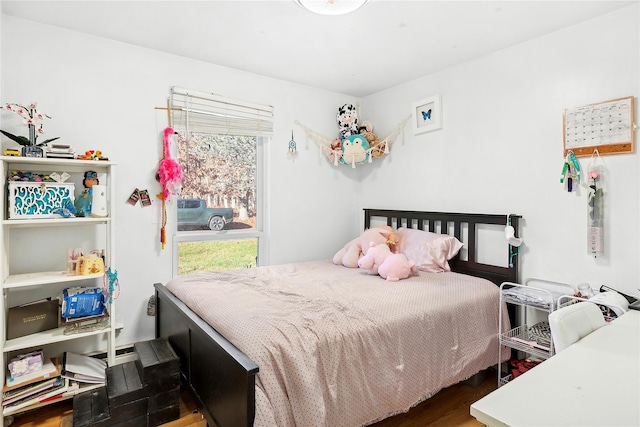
222, 378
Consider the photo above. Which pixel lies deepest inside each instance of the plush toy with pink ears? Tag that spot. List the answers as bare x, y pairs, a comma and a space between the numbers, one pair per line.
390, 266
374, 258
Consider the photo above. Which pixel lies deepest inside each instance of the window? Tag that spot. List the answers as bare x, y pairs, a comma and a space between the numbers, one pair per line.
220, 211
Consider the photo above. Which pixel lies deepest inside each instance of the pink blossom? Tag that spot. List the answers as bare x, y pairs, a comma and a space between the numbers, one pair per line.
594, 174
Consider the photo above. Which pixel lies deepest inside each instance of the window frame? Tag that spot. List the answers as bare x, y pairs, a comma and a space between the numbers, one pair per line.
258, 233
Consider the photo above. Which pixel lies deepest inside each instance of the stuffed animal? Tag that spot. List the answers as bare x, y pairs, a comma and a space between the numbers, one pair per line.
169, 171
355, 149
347, 119
366, 129
396, 267
390, 266
356, 248
374, 258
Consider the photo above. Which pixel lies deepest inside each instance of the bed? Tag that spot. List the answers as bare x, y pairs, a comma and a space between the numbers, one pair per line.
324, 346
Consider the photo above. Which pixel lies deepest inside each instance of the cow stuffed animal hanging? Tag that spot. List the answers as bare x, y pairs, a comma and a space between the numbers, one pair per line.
347, 119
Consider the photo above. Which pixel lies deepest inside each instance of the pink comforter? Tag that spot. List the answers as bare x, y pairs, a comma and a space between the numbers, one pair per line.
338, 347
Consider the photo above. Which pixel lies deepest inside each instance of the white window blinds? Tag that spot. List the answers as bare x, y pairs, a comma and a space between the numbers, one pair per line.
204, 113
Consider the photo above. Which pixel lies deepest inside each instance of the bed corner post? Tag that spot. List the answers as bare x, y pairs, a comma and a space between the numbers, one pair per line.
514, 252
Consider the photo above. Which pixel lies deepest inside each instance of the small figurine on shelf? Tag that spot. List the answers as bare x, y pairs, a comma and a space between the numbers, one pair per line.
83, 201
92, 155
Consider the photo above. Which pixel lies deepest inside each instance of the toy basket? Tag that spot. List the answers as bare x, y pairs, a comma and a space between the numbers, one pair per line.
30, 200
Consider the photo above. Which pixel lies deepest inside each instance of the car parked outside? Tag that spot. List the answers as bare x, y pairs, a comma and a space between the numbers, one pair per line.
195, 213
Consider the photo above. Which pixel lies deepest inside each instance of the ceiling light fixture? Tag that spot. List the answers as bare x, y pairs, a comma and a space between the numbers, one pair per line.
332, 7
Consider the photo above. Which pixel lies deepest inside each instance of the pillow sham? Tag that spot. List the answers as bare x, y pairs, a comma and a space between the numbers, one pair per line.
429, 251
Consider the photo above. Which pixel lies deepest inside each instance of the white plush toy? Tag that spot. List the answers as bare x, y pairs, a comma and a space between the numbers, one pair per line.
347, 119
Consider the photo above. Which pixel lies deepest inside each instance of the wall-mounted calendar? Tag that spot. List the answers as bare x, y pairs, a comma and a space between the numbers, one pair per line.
607, 126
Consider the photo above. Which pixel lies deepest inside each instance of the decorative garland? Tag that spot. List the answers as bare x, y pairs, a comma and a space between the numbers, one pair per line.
333, 151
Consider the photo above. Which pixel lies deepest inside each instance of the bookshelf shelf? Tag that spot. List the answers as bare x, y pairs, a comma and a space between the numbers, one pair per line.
30, 253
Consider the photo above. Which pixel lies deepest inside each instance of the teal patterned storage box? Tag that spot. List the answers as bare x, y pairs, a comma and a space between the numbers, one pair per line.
30, 200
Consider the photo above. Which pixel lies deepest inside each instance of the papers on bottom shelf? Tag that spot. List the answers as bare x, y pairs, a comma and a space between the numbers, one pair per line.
84, 368
48, 390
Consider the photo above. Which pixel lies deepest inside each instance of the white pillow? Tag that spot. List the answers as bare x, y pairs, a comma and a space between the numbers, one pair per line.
429, 251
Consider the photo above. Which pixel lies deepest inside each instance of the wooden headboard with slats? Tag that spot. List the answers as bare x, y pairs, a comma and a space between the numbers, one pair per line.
446, 223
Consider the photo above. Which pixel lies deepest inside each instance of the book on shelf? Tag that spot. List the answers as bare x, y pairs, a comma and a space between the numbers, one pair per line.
50, 368
27, 391
73, 389
84, 368
61, 385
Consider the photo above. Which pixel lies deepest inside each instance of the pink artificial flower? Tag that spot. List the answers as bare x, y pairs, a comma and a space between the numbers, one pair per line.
594, 174
40, 130
33, 105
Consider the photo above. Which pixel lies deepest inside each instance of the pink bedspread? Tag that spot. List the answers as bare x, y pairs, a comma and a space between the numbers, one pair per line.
338, 347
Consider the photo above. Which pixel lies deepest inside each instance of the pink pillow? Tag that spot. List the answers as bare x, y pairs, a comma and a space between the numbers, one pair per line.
429, 251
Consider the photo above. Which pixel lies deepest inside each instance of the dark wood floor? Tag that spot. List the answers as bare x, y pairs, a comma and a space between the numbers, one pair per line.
450, 407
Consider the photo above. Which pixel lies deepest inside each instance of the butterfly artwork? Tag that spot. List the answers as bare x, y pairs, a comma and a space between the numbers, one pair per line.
427, 115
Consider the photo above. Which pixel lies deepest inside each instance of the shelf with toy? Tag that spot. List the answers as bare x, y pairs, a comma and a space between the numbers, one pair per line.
80, 164
47, 337
34, 243
44, 278
48, 222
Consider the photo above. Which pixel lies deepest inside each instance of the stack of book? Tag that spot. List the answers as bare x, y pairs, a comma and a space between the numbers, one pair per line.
57, 380
36, 388
60, 151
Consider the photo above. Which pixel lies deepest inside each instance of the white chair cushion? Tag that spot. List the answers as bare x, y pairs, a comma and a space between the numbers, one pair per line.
574, 322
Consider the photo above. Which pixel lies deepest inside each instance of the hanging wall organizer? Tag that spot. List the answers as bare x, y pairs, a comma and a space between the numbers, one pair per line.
355, 149
595, 205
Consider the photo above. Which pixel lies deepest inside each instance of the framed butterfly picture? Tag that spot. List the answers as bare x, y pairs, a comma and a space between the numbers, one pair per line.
427, 115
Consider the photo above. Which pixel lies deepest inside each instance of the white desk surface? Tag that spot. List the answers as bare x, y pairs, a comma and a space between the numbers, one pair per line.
594, 382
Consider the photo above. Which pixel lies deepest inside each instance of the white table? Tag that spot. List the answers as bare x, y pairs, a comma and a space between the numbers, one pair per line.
594, 382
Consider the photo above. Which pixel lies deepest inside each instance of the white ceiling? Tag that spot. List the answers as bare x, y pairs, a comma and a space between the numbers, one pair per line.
385, 43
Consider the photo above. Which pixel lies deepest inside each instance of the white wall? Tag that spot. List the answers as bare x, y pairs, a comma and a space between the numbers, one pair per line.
102, 94
500, 148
